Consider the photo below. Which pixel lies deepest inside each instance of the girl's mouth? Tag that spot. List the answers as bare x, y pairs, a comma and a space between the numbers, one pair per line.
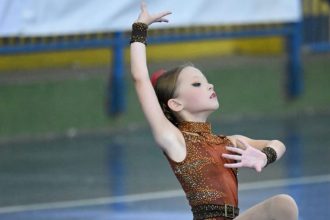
213, 95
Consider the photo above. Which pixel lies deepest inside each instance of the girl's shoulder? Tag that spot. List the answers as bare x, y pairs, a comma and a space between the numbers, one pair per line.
230, 139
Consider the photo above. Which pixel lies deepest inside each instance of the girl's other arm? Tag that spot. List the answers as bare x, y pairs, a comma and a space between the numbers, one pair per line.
249, 153
277, 145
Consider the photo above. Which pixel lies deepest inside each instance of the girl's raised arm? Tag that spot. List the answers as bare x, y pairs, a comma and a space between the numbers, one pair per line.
163, 130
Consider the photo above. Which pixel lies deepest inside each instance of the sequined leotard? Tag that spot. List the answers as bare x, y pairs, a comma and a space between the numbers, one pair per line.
202, 175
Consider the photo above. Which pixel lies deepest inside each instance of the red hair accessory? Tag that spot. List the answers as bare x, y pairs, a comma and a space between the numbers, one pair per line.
155, 76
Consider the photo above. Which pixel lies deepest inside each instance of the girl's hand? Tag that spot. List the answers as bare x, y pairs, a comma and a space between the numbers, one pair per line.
249, 157
148, 19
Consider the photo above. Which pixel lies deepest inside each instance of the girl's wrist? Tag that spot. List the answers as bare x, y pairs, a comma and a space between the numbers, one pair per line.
270, 154
141, 21
139, 32
264, 160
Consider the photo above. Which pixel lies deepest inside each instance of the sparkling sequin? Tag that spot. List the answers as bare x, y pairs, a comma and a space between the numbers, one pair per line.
202, 174
208, 211
204, 130
271, 155
139, 33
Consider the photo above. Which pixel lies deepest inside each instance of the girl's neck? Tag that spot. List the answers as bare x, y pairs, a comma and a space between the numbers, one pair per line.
200, 117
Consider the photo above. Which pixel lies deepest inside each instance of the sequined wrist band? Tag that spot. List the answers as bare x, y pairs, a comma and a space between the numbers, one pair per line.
270, 154
139, 33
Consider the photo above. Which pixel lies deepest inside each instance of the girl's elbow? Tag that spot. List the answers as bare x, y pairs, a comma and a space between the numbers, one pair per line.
135, 77
280, 145
138, 79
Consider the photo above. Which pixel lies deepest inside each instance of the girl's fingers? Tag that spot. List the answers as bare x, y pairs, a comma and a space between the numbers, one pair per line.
162, 20
161, 15
232, 157
235, 149
143, 6
242, 142
258, 169
164, 13
233, 165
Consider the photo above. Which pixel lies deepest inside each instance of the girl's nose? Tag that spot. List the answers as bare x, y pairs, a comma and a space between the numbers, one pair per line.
211, 86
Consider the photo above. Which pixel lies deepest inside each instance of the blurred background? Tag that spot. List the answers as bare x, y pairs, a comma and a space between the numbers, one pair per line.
74, 143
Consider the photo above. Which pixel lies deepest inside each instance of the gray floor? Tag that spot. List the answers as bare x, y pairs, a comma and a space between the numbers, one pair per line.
123, 175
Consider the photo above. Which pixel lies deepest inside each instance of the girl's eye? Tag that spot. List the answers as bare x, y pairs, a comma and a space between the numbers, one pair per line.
196, 84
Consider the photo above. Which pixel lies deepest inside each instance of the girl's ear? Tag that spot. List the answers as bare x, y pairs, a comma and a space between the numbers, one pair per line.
175, 105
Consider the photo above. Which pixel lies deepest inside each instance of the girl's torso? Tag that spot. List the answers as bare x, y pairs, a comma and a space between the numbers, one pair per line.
202, 174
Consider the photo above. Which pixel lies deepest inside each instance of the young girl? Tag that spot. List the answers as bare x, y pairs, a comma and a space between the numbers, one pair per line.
177, 104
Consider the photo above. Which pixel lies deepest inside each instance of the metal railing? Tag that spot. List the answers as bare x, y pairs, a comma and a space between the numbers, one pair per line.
312, 34
316, 25
118, 41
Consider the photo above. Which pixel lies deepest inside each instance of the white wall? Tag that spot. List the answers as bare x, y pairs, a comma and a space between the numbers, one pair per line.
47, 17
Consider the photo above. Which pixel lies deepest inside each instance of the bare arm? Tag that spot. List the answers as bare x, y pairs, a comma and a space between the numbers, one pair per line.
248, 152
164, 132
277, 145
159, 124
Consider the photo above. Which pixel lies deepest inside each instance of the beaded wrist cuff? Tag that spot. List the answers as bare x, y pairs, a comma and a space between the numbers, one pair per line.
139, 33
271, 155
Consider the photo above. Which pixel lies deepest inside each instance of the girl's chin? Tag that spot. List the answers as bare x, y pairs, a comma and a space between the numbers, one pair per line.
216, 106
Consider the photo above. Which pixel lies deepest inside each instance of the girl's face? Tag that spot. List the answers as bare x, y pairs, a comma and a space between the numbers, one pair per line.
195, 93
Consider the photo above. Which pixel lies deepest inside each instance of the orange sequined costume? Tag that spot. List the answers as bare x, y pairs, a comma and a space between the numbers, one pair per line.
210, 188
